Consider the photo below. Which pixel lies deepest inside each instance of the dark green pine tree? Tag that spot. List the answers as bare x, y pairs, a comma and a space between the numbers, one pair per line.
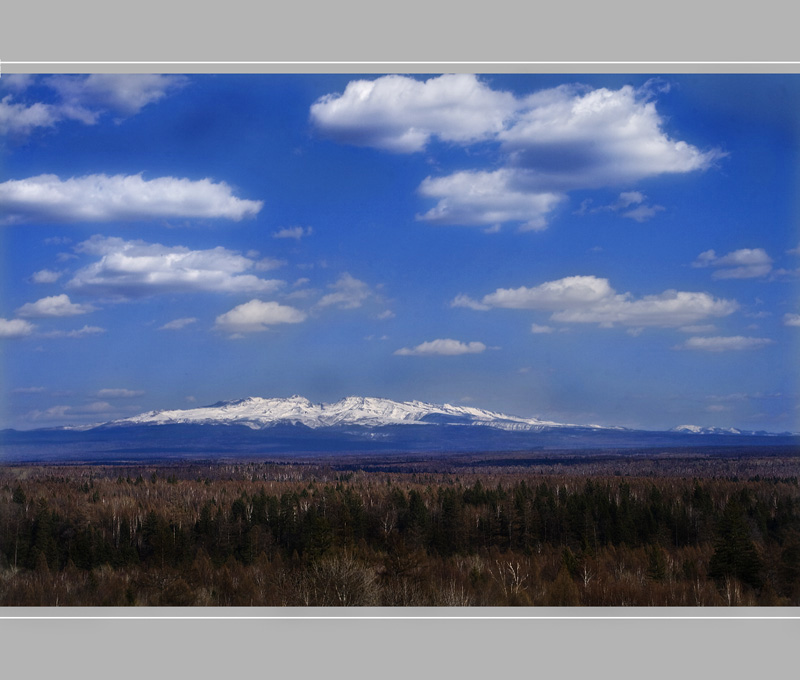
735, 554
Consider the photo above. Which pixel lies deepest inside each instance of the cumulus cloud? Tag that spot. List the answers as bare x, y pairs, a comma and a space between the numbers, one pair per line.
293, 232
122, 94
79, 333
575, 137
119, 393
670, 308
724, 344
487, 199
15, 328
747, 263
791, 319
589, 299
442, 347
256, 316
551, 142
401, 114
46, 276
569, 292
108, 198
128, 269
81, 98
55, 305
462, 300
537, 329
22, 119
177, 324
348, 293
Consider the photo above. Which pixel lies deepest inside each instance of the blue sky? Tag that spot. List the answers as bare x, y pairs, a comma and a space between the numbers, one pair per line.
612, 249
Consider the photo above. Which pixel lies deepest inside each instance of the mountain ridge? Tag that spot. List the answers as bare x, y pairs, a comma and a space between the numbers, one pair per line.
261, 413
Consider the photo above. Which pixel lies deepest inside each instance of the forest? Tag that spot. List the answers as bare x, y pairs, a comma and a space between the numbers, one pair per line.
605, 532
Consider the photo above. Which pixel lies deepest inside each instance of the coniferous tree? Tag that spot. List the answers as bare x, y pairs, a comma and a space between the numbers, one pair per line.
735, 554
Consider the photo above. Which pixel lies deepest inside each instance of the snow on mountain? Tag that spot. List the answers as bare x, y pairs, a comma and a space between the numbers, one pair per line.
696, 429
258, 413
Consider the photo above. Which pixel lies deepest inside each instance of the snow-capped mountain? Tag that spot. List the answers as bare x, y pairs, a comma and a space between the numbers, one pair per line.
696, 429
257, 427
258, 413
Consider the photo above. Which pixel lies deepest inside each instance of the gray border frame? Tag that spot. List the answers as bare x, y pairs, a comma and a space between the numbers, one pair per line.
620, 36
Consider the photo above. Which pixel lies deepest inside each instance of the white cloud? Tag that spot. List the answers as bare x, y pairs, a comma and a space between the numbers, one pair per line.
724, 344
20, 119
177, 324
129, 269
386, 314
79, 333
794, 251
348, 293
642, 213
55, 305
574, 137
569, 292
670, 308
52, 413
551, 142
81, 98
791, 319
266, 264
747, 263
62, 411
119, 393
15, 328
293, 232
401, 114
466, 301
536, 329
255, 316
124, 94
104, 198
589, 299
488, 198
442, 347
46, 276
18, 82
